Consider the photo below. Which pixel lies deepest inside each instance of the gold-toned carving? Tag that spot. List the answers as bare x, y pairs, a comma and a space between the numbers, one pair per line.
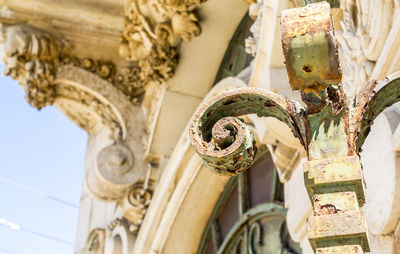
136, 202
95, 241
153, 31
30, 56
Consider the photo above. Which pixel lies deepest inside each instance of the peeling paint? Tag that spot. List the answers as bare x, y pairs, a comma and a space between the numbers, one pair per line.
331, 129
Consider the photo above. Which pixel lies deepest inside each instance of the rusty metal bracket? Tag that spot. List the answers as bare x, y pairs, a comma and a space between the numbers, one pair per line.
309, 47
331, 129
335, 187
332, 3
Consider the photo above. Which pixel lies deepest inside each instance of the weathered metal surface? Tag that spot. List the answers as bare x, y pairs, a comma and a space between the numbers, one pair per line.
229, 147
327, 134
370, 102
332, 3
331, 129
309, 47
338, 229
335, 187
259, 228
333, 203
335, 174
255, 221
346, 249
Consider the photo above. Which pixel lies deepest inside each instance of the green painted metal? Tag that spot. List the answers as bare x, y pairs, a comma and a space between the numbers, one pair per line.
329, 127
243, 185
371, 101
251, 219
332, 3
236, 58
309, 47
212, 120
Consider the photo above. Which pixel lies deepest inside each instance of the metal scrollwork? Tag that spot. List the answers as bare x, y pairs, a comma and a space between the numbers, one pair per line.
224, 143
255, 237
331, 128
259, 230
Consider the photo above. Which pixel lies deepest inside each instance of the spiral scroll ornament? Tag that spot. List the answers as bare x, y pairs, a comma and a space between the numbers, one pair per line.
224, 142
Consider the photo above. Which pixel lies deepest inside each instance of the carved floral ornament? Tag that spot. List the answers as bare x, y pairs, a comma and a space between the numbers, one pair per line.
152, 34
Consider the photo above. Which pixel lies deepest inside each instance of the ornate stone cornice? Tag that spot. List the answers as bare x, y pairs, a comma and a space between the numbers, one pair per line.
32, 56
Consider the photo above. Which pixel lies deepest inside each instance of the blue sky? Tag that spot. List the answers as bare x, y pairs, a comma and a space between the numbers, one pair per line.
45, 151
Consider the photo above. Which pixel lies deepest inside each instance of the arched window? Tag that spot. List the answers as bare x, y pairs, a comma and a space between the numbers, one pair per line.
249, 216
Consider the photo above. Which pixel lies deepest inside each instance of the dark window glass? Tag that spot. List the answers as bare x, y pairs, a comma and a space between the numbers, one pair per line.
229, 214
261, 180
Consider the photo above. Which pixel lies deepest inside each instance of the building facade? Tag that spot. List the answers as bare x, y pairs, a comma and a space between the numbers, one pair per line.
133, 73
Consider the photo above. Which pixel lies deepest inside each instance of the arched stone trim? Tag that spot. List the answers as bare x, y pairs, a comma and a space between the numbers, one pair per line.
96, 95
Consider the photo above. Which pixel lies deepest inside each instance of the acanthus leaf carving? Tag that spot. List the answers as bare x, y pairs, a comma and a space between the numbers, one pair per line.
30, 56
153, 31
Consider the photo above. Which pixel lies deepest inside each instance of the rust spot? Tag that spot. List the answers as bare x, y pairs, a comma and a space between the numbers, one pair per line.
228, 102
328, 209
307, 68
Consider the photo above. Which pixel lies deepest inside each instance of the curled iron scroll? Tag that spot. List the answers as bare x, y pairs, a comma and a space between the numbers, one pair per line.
375, 97
223, 142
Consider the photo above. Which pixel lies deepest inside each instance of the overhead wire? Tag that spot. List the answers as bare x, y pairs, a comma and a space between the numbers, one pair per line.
16, 227
37, 192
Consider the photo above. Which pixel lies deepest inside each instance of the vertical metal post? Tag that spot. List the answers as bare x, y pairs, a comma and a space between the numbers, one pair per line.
333, 175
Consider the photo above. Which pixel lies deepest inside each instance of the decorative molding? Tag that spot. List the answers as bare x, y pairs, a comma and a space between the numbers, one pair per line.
32, 56
256, 11
119, 238
99, 111
95, 241
362, 39
135, 204
115, 238
113, 173
152, 34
